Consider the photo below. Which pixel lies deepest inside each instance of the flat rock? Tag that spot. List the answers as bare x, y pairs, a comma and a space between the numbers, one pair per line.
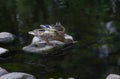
42, 47
113, 76
6, 37
39, 46
3, 71
17, 75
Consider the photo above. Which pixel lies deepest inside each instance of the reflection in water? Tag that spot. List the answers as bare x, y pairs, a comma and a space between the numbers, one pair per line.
114, 5
20, 26
106, 30
104, 51
110, 27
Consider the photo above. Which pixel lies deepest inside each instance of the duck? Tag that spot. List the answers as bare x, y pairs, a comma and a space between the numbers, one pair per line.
47, 35
59, 29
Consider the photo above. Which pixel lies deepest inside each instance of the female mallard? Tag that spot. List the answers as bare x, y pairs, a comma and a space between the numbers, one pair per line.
49, 34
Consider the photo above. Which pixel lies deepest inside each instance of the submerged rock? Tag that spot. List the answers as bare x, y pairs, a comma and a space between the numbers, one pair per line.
113, 76
17, 75
3, 71
6, 37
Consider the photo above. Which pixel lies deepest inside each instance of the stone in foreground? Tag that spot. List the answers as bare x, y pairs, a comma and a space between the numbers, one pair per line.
113, 76
3, 50
42, 47
3, 71
6, 37
17, 75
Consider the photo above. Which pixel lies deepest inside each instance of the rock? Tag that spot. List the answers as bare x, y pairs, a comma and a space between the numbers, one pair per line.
35, 39
17, 75
3, 53
6, 37
71, 78
42, 48
3, 71
113, 76
68, 39
3, 50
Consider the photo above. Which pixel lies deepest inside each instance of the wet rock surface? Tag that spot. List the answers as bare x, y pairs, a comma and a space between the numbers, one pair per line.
113, 76
3, 71
17, 75
41, 47
6, 37
3, 50
4, 53
4, 74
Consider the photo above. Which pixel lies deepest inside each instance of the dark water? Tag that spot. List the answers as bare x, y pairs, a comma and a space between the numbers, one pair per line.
91, 57
79, 62
41, 66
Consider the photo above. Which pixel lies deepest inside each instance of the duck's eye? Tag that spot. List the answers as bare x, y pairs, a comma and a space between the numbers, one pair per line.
41, 30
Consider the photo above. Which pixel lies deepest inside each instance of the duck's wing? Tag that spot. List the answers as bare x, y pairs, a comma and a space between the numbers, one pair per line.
46, 26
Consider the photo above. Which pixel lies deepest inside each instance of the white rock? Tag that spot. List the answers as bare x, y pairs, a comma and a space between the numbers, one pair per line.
6, 37
42, 47
113, 76
17, 75
68, 38
3, 50
71, 78
51, 78
3, 71
35, 39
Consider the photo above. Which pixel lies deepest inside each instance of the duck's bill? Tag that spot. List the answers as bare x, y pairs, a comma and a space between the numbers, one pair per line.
32, 33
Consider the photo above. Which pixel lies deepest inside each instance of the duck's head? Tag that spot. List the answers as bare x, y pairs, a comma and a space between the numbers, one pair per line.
58, 26
36, 32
